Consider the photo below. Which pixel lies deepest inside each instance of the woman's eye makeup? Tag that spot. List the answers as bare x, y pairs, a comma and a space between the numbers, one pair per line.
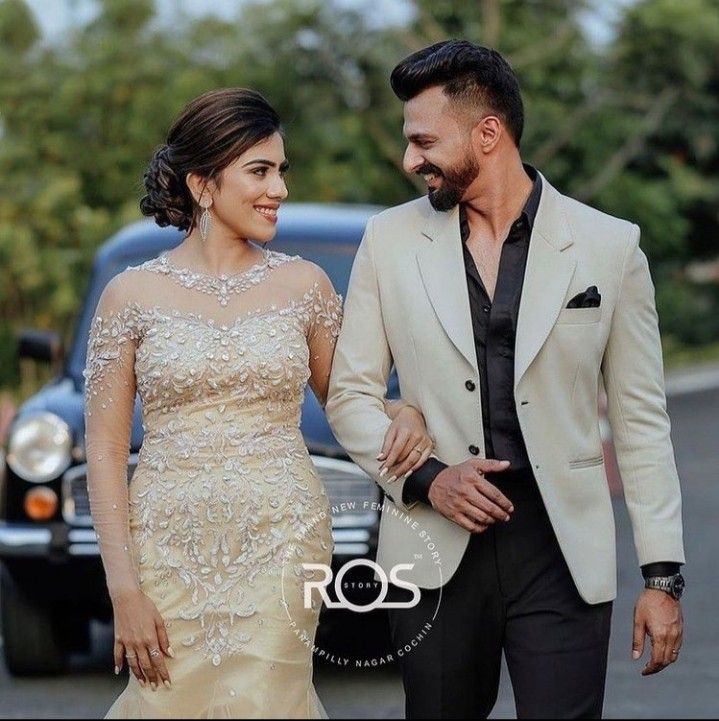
261, 171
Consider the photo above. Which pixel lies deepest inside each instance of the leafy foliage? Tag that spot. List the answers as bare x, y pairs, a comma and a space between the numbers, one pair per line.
630, 127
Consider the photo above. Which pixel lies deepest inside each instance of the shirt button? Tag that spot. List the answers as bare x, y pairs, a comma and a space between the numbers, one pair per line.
469, 385
486, 309
474, 450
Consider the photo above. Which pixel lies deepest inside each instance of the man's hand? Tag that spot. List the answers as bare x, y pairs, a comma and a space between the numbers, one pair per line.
462, 494
658, 616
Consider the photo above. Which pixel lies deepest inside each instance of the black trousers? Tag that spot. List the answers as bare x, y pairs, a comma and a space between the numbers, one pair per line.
512, 592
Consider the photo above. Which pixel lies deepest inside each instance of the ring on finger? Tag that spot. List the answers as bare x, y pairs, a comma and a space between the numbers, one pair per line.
154, 652
130, 655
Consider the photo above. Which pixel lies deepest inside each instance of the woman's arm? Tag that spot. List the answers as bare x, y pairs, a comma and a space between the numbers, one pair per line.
323, 328
407, 444
392, 407
109, 411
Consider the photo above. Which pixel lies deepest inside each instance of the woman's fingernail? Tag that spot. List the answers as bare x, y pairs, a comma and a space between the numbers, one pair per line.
380, 456
383, 472
408, 474
392, 479
636, 654
170, 652
167, 684
153, 685
117, 670
142, 681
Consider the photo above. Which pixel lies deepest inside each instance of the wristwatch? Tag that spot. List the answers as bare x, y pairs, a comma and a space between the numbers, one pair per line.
673, 585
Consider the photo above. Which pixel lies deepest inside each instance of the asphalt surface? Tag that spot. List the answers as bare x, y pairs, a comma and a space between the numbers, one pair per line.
688, 689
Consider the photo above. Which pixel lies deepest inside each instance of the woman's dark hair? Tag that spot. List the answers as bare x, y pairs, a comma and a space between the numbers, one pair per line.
210, 133
470, 74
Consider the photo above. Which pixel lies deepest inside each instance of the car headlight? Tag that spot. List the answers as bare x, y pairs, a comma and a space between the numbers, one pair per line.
40, 447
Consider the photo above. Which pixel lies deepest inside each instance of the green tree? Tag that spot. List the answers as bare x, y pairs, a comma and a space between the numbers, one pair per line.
630, 128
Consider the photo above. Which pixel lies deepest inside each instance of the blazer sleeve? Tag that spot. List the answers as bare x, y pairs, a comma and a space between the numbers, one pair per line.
636, 404
360, 371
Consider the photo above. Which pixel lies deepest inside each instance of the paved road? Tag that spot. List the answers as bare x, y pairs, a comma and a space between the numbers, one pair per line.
689, 689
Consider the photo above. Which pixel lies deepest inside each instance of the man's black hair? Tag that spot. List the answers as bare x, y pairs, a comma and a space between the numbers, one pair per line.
470, 74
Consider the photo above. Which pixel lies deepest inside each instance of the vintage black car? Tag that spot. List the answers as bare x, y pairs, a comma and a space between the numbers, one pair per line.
51, 577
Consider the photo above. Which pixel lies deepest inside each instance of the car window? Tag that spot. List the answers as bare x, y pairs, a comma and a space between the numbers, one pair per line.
335, 258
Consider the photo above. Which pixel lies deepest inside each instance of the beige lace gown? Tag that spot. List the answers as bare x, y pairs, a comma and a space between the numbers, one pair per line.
224, 504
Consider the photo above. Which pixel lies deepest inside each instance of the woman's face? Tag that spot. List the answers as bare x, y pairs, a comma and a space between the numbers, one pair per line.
247, 199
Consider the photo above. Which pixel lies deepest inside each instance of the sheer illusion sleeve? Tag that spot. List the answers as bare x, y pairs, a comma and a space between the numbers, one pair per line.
109, 405
323, 327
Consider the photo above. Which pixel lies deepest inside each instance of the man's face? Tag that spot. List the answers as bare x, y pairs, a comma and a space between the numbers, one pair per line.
439, 147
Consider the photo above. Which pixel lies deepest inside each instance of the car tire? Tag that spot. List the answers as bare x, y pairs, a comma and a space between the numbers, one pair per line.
31, 632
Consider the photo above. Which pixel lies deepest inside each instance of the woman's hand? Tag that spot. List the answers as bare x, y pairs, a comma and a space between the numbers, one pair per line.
407, 444
141, 637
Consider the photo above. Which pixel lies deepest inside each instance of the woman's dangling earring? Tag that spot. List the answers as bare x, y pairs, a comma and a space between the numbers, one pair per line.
205, 222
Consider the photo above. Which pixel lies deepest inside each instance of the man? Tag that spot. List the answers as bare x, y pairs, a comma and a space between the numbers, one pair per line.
501, 303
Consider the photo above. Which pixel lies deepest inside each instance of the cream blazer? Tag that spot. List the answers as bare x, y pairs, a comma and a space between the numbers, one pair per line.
407, 305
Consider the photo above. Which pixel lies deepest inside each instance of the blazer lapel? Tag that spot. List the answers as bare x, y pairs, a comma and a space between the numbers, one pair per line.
441, 266
546, 279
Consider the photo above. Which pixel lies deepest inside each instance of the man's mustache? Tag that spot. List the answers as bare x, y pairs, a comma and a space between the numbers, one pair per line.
428, 169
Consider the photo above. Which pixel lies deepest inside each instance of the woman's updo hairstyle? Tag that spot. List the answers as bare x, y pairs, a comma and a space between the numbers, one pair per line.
210, 133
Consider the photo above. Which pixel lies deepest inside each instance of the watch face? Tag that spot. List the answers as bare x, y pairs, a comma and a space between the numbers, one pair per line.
678, 586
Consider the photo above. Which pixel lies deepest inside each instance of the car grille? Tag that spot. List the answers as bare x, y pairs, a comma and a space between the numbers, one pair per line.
350, 490
75, 501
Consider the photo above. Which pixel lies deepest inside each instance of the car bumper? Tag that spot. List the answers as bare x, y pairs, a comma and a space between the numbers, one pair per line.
19, 540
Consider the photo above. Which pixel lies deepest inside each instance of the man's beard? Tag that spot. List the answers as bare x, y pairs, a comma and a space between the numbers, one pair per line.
455, 182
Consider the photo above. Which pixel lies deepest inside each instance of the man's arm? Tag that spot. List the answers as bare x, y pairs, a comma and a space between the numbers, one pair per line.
416, 488
355, 409
360, 370
636, 406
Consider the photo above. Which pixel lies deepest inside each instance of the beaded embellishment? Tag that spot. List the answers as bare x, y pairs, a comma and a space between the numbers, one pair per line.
221, 286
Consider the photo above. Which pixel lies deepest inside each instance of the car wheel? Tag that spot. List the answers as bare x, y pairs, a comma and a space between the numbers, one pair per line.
32, 633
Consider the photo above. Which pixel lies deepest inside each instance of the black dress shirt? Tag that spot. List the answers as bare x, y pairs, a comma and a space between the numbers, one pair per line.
494, 326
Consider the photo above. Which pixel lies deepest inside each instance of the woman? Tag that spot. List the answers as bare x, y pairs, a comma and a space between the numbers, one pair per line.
219, 337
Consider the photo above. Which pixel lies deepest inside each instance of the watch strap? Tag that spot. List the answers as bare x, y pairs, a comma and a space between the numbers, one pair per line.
673, 585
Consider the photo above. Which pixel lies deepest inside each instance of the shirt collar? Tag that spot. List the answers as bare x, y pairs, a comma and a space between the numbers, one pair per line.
532, 204
529, 211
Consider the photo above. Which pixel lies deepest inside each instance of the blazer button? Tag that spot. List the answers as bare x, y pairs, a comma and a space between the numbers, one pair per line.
474, 450
469, 385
